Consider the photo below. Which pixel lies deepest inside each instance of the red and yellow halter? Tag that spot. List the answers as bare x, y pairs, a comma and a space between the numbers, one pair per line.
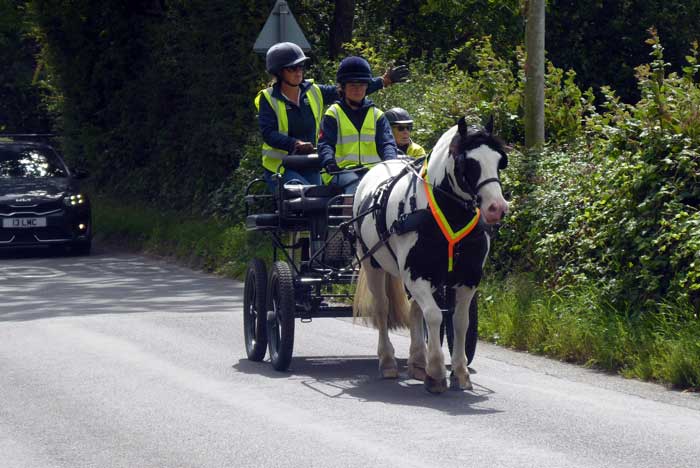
452, 237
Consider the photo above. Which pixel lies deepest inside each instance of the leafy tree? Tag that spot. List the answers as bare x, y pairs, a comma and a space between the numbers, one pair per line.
603, 41
20, 98
158, 101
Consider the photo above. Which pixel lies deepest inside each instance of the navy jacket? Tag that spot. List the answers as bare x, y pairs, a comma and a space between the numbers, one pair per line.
386, 145
301, 118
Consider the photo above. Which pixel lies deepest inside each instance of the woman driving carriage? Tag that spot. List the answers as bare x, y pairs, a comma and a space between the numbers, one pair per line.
354, 133
291, 111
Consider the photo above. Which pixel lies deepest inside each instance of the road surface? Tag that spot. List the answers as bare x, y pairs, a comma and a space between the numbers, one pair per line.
120, 360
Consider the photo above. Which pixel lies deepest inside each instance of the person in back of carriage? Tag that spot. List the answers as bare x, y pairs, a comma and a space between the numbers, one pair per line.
354, 133
401, 126
290, 111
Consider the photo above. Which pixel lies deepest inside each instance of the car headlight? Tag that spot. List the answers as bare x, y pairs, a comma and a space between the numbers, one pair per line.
74, 200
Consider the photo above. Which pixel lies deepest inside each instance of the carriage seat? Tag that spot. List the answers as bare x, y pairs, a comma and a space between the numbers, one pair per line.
299, 201
308, 198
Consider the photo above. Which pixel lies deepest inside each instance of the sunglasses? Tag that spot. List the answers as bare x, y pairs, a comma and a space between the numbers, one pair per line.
401, 128
294, 68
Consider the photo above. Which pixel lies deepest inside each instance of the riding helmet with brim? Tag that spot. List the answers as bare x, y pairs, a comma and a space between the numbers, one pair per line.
397, 115
354, 70
283, 54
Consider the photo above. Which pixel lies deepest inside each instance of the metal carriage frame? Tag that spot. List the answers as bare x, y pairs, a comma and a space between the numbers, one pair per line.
310, 227
306, 268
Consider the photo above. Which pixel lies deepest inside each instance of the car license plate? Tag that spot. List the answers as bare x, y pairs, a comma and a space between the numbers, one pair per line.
19, 223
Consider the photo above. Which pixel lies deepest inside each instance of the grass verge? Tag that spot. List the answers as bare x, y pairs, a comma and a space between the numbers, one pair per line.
574, 326
208, 244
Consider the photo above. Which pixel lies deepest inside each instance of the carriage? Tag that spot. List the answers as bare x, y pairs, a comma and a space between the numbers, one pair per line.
311, 228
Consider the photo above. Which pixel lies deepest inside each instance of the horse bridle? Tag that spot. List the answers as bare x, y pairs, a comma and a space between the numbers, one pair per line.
474, 190
484, 182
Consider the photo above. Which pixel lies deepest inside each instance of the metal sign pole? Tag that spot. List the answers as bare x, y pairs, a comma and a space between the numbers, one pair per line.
283, 12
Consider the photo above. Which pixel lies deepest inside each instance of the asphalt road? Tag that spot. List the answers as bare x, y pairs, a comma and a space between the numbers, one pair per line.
118, 360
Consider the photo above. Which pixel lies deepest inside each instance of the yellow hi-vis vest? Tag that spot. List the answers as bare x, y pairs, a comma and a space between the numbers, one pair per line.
272, 157
415, 150
354, 148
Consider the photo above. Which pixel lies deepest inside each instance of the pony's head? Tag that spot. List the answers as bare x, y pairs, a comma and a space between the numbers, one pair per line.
478, 156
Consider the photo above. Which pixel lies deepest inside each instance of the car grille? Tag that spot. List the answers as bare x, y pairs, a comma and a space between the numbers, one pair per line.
32, 236
39, 209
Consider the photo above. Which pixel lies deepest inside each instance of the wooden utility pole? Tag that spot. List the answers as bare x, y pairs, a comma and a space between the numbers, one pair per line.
534, 75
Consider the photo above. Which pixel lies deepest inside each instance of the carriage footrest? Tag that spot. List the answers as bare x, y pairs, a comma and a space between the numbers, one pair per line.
262, 222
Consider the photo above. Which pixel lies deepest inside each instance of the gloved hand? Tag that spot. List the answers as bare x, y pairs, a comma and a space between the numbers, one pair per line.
303, 147
331, 166
397, 74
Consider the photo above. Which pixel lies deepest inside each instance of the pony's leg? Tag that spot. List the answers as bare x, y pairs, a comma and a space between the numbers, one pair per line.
374, 286
459, 380
416, 357
421, 290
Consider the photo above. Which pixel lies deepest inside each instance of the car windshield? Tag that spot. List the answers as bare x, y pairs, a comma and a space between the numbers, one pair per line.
30, 162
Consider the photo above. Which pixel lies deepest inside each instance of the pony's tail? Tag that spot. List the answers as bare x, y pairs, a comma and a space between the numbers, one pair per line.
399, 308
366, 305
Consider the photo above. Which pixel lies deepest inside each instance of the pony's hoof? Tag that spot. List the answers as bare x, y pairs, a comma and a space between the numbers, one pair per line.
435, 386
416, 372
460, 382
389, 372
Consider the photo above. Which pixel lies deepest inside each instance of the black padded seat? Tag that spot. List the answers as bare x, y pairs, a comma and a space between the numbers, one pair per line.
314, 191
309, 198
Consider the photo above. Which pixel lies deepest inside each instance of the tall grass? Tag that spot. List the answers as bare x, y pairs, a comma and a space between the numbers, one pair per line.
575, 326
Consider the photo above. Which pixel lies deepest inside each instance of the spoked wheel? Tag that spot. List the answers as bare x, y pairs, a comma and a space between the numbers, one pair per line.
255, 310
472, 331
280, 317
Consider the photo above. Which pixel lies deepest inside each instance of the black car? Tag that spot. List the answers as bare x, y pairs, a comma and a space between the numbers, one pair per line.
41, 203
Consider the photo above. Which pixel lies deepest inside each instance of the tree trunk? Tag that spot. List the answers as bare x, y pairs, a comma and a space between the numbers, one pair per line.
534, 75
341, 31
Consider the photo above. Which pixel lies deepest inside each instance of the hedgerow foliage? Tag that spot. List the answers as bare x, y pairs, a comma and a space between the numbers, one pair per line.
21, 110
156, 101
612, 202
616, 205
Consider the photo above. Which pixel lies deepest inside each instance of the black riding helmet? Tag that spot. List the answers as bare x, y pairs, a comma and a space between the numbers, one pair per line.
354, 69
397, 115
283, 54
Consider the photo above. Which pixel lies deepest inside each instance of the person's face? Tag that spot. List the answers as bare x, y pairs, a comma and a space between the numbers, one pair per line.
293, 75
355, 91
402, 133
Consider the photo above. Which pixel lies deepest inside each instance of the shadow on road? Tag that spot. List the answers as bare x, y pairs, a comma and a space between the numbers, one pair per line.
357, 377
40, 284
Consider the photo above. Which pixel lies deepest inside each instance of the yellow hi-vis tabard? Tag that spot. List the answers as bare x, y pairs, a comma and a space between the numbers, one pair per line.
353, 148
272, 157
452, 237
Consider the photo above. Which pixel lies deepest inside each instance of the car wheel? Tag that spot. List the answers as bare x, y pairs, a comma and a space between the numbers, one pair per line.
81, 248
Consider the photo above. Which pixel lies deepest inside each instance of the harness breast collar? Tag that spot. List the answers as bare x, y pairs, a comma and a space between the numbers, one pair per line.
408, 222
451, 237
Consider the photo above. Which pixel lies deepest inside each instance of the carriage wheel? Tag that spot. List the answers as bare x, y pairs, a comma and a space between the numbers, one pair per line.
280, 318
472, 331
255, 310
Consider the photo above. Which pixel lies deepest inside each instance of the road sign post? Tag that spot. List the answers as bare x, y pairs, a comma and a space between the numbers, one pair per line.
280, 27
